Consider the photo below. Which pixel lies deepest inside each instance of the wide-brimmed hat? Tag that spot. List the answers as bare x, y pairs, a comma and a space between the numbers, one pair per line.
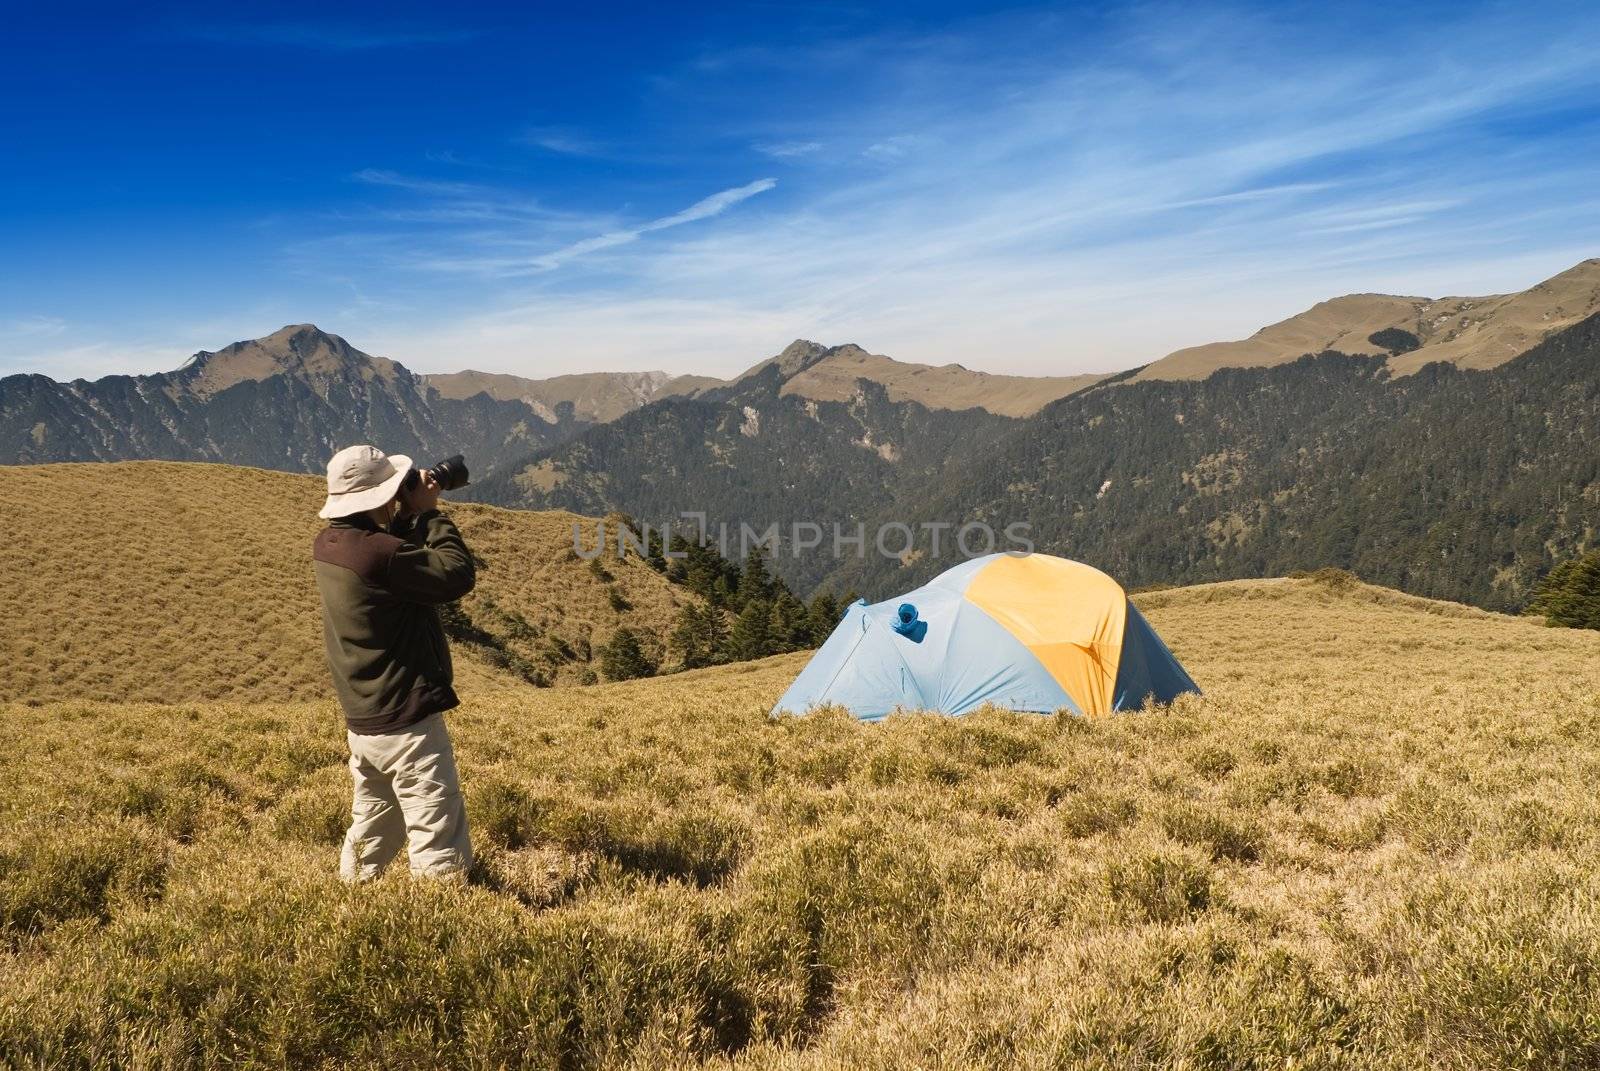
362, 478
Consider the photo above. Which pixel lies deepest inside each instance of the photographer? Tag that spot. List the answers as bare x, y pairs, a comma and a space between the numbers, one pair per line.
386, 559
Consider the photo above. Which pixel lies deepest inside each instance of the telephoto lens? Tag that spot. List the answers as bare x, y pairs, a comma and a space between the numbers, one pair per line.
451, 473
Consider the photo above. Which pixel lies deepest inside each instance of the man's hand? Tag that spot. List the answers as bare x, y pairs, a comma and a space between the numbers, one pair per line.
421, 497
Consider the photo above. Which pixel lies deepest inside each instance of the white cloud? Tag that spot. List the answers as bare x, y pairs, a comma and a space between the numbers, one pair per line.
892, 148
560, 140
34, 327
714, 205
376, 176
788, 150
705, 208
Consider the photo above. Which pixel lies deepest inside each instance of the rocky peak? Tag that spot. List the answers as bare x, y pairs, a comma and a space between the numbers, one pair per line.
300, 350
799, 355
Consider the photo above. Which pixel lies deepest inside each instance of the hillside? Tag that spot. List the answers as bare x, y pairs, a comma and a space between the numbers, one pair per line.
595, 397
165, 582
1369, 847
830, 374
752, 453
1452, 483
950, 386
286, 401
1469, 332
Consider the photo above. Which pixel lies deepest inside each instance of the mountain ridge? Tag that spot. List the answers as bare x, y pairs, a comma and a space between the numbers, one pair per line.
596, 396
285, 401
1471, 332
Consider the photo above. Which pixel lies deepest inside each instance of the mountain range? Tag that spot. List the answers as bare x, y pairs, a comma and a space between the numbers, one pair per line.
1441, 445
286, 401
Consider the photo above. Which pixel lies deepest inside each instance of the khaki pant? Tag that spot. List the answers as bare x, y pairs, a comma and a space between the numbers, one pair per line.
406, 789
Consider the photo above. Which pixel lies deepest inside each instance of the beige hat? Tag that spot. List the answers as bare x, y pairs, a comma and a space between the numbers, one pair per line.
362, 478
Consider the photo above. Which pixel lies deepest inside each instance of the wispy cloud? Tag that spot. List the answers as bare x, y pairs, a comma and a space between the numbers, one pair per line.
561, 141
455, 159
374, 176
705, 208
893, 148
448, 201
788, 150
34, 327
481, 230
324, 36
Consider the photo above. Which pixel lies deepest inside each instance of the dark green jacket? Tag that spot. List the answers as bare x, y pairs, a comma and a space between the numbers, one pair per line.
386, 646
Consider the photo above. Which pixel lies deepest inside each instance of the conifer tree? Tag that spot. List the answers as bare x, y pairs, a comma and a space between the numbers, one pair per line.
790, 626
1570, 595
622, 659
751, 636
699, 637
655, 551
755, 581
777, 632
822, 617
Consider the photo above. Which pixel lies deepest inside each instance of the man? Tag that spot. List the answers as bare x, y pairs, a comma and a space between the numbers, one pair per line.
385, 560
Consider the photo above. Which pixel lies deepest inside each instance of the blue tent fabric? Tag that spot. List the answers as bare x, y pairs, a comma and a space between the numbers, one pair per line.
964, 660
1147, 670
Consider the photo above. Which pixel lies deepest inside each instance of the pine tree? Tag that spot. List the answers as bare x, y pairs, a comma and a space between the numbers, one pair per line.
699, 637
714, 634
685, 639
755, 581
700, 567
777, 633
789, 625
1570, 595
655, 551
751, 636
822, 617
622, 659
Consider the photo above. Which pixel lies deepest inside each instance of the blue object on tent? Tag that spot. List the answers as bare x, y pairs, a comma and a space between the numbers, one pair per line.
1028, 632
907, 623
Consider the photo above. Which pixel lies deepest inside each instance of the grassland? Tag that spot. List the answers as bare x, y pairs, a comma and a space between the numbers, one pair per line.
175, 582
1372, 844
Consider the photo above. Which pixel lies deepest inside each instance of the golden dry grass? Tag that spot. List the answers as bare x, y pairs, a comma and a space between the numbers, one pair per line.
1370, 845
173, 582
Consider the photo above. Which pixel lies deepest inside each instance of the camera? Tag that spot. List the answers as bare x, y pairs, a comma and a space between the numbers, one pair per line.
450, 474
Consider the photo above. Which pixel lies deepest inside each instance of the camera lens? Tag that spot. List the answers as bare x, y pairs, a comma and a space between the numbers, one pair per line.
451, 473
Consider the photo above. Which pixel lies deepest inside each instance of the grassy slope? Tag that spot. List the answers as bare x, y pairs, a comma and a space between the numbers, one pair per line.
173, 582
1370, 845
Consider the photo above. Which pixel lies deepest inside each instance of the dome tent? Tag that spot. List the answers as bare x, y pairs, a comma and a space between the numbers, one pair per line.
1029, 632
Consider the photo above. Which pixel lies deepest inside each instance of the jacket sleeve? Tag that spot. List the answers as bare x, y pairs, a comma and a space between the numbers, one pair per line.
433, 565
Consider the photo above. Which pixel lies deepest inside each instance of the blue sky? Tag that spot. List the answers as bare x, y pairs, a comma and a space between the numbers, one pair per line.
1033, 189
